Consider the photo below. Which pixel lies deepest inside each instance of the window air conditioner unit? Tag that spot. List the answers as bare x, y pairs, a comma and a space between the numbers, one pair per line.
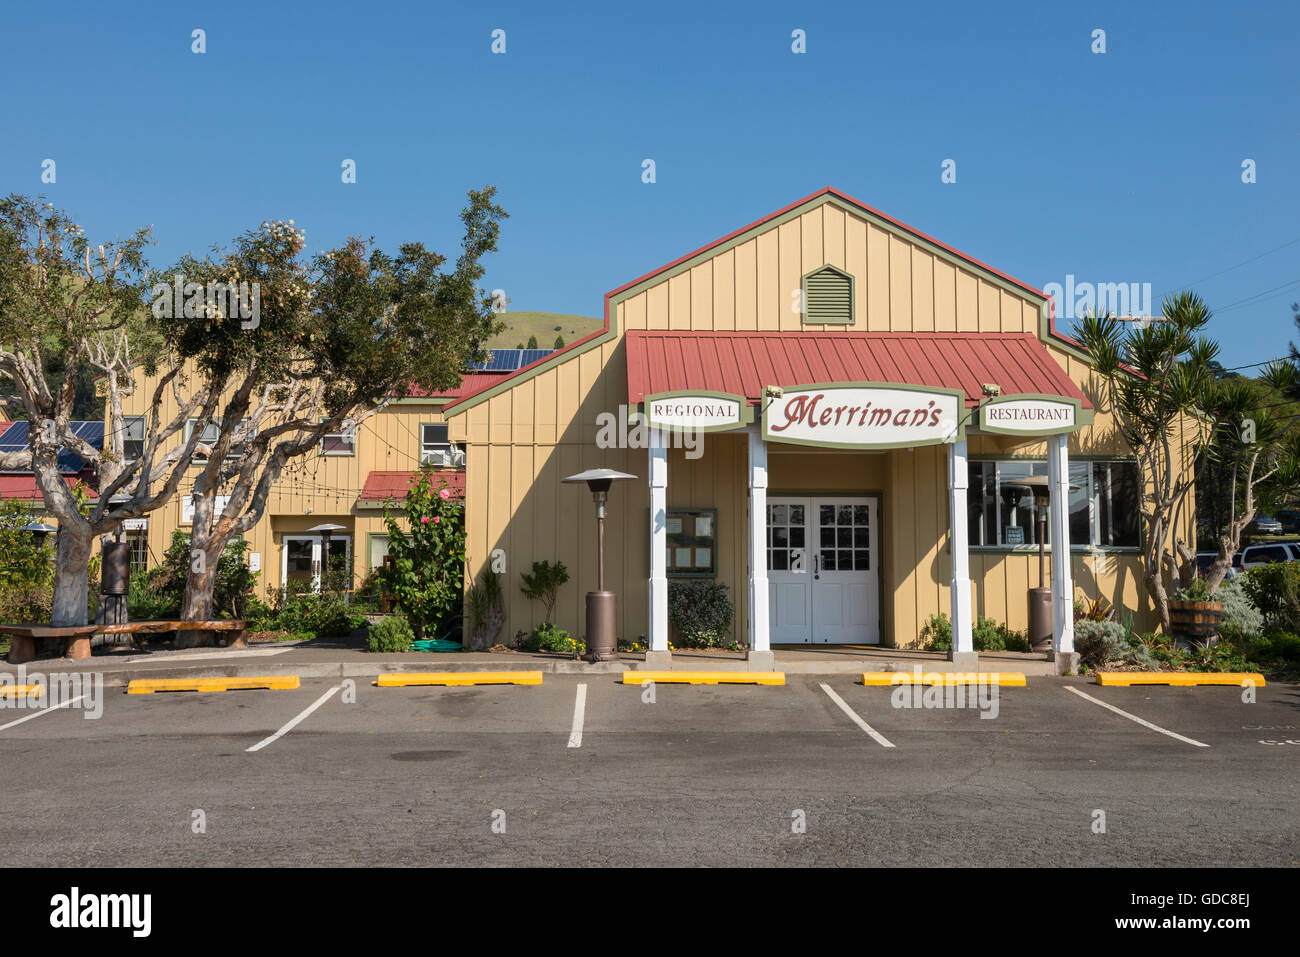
435, 457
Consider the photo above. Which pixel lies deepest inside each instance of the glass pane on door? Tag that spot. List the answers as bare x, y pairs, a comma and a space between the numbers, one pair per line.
844, 538
786, 541
298, 559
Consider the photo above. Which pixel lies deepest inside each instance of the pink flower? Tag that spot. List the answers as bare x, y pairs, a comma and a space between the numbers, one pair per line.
436, 519
444, 494
425, 520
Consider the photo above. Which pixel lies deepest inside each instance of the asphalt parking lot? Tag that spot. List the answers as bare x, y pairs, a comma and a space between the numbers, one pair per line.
821, 771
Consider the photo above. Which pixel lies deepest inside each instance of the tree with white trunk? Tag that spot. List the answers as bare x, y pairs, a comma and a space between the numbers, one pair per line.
62, 297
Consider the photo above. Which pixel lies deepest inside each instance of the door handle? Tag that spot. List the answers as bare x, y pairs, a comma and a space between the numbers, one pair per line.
817, 566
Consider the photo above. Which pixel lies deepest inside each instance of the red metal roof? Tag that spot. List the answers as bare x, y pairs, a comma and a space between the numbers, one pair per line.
471, 382
392, 486
742, 363
22, 485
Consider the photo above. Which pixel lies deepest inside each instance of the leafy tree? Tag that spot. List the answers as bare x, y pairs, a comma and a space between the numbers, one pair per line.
532, 342
338, 336
428, 560
1153, 381
559, 342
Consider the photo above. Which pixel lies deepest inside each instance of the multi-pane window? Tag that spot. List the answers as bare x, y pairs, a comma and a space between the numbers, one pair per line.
132, 437
787, 538
1103, 507
208, 436
343, 442
692, 540
844, 534
212, 432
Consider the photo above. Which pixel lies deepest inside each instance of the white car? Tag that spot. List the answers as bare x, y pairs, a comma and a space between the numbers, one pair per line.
1253, 555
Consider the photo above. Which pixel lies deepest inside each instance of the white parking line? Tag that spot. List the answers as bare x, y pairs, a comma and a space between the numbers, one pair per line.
37, 714
1133, 717
876, 736
579, 710
296, 721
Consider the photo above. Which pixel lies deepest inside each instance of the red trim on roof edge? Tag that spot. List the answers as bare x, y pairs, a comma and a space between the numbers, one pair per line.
828, 190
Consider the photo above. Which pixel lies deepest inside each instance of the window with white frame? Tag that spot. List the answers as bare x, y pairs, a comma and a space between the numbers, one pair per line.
212, 432
207, 437
342, 442
1103, 508
132, 437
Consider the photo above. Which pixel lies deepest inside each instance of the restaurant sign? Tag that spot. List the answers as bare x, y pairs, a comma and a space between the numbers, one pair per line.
697, 411
865, 415
1032, 415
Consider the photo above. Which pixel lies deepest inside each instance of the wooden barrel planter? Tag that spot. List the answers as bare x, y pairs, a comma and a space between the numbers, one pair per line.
1195, 620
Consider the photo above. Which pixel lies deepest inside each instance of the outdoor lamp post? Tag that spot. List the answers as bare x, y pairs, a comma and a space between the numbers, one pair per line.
1040, 598
602, 606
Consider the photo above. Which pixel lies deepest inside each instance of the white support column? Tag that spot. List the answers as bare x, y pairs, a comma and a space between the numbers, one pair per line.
958, 479
1058, 475
658, 541
758, 598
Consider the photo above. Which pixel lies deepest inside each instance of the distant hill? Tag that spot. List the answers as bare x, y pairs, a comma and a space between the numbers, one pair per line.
521, 325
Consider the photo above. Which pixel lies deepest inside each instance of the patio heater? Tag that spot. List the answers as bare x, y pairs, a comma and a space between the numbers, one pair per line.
325, 531
1040, 598
602, 606
114, 582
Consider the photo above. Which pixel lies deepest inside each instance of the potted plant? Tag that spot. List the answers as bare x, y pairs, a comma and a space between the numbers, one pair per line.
1194, 614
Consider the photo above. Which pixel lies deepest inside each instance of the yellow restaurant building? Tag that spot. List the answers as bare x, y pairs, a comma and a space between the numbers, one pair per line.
839, 407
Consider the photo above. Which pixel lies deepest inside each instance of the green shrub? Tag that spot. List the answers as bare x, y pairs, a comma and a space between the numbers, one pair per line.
1099, 642
428, 559
702, 613
936, 635
325, 614
1240, 616
547, 637
988, 635
161, 588
26, 604
391, 634
1274, 589
1195, 590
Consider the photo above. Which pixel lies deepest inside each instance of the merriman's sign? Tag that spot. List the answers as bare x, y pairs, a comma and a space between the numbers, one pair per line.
700, 411
865, 416
1032, 415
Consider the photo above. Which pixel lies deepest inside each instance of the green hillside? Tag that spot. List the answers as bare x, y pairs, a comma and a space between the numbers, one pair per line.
543, 325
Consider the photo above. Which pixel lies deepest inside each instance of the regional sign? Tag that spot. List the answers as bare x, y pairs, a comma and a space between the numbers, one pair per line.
699, 411
867, 415
1032, 415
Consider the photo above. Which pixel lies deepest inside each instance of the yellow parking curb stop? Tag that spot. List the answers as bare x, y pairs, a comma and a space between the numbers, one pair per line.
1181, 679
705, 677
1003, 679
265, 682
399, 679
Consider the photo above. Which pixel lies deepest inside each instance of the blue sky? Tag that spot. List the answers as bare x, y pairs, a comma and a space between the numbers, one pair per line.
1115, 167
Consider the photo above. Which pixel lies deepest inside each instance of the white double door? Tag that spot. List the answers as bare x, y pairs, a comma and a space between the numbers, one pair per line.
823, 569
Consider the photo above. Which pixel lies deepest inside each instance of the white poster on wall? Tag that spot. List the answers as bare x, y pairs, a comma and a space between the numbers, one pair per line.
187, 507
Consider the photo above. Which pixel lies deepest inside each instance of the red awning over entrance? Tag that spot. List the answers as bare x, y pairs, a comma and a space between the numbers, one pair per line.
742, 363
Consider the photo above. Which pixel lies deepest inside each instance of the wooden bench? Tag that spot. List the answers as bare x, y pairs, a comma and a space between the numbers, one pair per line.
76, 639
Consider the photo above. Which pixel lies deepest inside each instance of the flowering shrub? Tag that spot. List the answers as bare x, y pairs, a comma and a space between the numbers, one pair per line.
428, 562
701, 611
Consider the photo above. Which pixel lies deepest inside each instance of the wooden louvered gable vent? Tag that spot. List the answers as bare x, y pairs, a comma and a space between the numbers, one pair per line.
827, 296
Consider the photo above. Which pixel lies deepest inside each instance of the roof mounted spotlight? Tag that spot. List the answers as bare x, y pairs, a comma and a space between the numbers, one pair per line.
773, 391
991, 389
